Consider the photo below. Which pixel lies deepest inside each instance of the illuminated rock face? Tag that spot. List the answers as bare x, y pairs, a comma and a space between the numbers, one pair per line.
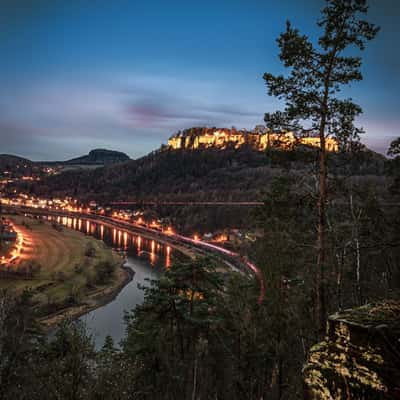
197, 138
360, 357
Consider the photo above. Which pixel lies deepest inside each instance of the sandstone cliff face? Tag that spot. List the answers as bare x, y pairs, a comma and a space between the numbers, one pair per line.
360, 357
221, 138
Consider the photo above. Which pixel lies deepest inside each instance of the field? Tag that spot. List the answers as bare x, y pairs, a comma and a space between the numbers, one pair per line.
63, 268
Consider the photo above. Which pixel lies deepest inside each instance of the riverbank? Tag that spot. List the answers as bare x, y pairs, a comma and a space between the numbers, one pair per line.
67, 273
92, 302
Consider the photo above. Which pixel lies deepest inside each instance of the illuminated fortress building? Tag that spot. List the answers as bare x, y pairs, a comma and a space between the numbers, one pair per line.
259, 139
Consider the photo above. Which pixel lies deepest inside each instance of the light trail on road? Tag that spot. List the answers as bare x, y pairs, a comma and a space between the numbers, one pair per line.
187, 203
220, 249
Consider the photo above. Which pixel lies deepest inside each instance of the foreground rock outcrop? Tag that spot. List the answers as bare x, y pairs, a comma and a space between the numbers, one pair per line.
360, 357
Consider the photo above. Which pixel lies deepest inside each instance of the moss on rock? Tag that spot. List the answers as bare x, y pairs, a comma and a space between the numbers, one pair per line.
360, 357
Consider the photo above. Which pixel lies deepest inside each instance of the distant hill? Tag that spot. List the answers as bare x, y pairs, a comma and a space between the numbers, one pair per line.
10, 161
14, 166
95, 157
100, 157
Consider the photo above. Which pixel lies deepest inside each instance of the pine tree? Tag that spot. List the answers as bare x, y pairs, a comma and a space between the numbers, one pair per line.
168, 334
317, 73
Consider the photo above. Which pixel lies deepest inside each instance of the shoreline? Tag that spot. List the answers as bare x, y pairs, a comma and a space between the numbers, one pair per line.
93, 301
99, 296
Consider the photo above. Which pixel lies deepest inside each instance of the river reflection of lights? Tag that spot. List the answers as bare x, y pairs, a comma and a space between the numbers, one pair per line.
168, 257
125, 240
114, 236
152, 253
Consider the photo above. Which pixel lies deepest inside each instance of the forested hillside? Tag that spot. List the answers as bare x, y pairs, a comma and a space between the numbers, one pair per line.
201, 175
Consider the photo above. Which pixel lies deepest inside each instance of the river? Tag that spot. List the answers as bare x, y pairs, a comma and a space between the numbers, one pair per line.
147, 258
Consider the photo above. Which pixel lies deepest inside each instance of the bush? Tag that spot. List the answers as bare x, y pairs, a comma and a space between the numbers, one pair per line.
73, 297
104, 272
90, 251
57, 227
90, 280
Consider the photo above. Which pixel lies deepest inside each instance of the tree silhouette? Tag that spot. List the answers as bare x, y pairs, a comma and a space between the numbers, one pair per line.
317, 73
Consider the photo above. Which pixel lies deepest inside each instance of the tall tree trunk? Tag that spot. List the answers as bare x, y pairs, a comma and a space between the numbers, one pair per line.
356, 240
194, 386
320, 309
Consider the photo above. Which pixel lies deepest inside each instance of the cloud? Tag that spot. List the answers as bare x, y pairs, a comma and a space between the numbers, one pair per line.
132, 113
61, 119
153, 113
172, 104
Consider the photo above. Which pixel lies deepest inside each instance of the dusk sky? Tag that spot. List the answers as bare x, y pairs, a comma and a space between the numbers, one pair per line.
125, 75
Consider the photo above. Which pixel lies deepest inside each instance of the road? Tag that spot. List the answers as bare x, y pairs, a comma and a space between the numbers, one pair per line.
188, 246
186, 203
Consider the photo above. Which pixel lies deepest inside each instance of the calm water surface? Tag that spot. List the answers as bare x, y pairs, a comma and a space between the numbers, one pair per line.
109, 319
147, 258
